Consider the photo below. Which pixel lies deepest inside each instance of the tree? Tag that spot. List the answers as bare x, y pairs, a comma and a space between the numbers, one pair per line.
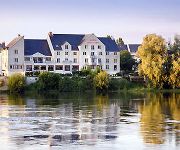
101, 81
16, 83
152, 53
126, 61
120, 41
173, 64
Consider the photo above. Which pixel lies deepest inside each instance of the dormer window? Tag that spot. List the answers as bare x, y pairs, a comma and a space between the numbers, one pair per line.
92, 47
66, 47
57, 45
99, 46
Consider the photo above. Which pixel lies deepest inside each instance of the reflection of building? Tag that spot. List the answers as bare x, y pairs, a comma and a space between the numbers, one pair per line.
60, 53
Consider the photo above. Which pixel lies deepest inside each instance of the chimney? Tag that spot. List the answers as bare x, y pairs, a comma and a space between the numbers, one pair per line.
50, 34
3, 45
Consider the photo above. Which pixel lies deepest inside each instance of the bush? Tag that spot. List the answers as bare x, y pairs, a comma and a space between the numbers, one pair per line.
1, 82
101, 81
16, 83
48, 81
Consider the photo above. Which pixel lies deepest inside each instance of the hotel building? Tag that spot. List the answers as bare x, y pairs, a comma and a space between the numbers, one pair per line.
60, 53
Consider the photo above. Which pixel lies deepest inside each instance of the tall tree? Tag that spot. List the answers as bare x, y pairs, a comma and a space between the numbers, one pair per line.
173, 63
152, 53
120, 41
126, 60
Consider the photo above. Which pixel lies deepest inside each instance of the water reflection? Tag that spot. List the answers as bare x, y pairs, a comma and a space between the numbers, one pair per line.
160, 114
60, 119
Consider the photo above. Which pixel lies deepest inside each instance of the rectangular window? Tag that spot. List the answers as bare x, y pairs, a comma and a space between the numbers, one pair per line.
58, 60
58, 53
99, 60
11, 67
50, 68
66, 59
48, 58
84, 53
75, 60
75, 68
107, 53
107, 60
66, 53
16, 51
43, 67
66, 47
27, 58
107, 66
92, 53
99, 46
16, 59
85, 46
67, 67
115, 60
92, 47
100, 53
74, 53
115, 67
115, 53
59, 67
86, 60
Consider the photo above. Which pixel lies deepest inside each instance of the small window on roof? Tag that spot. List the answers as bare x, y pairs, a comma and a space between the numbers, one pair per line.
57, 45
66, 47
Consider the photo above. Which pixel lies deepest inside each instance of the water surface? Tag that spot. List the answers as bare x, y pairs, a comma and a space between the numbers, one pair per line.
88, 121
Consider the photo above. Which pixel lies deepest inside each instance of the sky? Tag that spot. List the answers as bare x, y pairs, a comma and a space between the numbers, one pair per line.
129, 19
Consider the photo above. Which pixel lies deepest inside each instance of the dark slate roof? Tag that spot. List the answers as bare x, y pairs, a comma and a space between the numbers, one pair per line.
123, 47
110, 44
133, 47
32, 46
73, 39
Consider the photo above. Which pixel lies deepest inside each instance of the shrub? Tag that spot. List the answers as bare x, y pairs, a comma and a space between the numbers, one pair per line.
16, 83
48, 81
101, 81
1, 82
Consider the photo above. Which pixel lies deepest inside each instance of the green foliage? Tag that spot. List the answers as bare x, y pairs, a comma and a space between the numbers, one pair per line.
126, 61
101, 81
48, 81
1, 82
16, 83
173, 63
120, 41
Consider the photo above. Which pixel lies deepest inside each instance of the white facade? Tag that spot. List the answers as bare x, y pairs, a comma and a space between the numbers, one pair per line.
91, 52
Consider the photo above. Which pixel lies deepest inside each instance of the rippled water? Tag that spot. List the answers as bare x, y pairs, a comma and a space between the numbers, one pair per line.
75, 121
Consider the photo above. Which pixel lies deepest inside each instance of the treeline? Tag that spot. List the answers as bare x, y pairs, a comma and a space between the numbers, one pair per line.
159, 62
97, 80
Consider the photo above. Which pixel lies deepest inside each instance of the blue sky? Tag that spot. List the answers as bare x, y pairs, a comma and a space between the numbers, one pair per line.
129, 19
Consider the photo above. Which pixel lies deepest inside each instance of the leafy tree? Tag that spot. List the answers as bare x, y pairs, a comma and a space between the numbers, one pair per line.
101, 81
16, 83
120, 41
152, 53
173, 63
126, 61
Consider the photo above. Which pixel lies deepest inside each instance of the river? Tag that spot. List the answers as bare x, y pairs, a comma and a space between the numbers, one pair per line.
116, 121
